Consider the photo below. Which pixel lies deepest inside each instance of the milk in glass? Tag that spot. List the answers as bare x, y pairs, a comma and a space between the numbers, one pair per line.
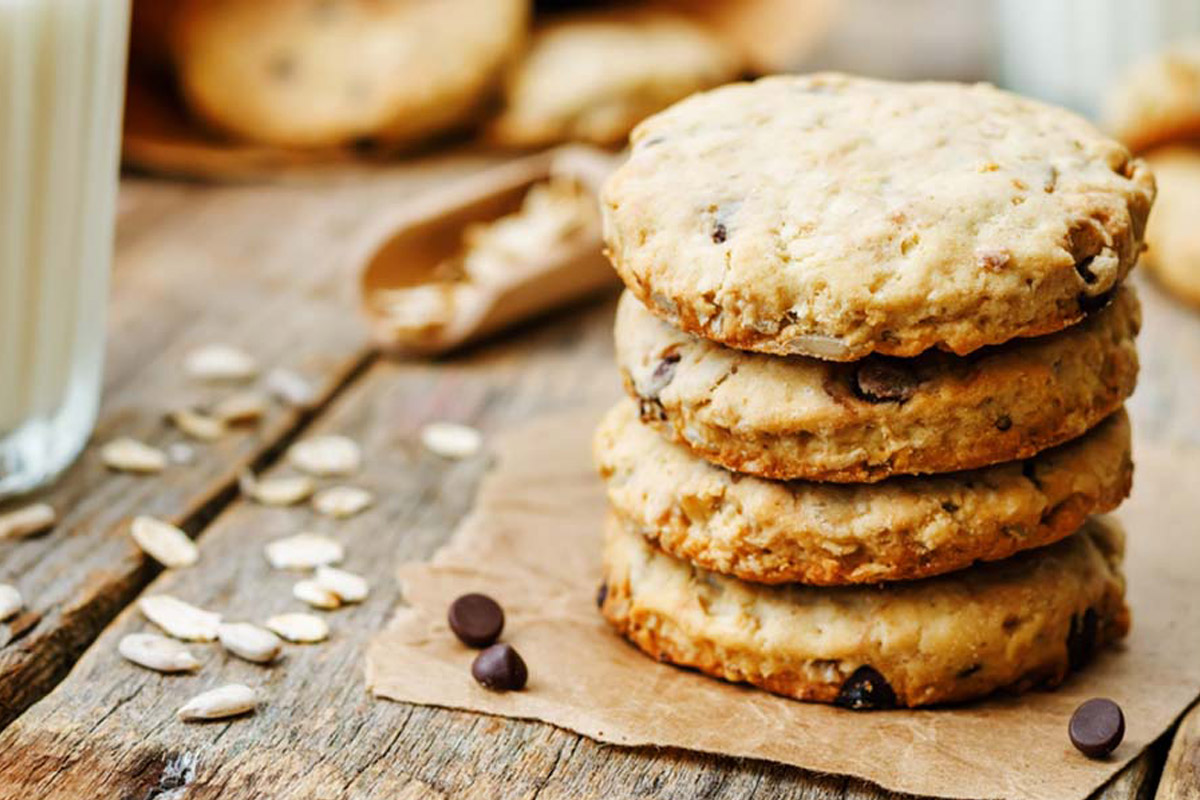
61, 80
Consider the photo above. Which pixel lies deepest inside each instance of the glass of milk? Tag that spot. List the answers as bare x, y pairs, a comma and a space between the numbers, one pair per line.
62, 68
1070, 51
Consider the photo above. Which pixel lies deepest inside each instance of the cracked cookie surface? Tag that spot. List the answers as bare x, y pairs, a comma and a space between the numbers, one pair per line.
834, 217
799, 417
1015, 624
829, 534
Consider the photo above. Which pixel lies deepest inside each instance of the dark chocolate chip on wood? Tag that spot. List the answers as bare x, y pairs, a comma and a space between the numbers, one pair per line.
476, 620
500, 668
1097, 727
880, 380
866, 690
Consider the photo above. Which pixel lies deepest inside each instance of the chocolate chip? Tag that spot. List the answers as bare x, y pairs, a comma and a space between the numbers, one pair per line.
1090, 304
601, 595
719, 233
650, 410
664, 373
880, 380
969, 671
1081, 638
1097, 727
500, 668
1004, 423
1084, 268
476, 620
1029, 470
866, 690
949, 507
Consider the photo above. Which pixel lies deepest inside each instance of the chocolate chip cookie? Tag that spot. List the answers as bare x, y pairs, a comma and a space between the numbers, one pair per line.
800, 417
1016, 624
836, 217
322, 73
830, 534
1174, 253
592, 77
1157, 101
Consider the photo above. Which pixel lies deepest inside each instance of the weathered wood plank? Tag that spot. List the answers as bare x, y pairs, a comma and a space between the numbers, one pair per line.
195, 265
1181, 775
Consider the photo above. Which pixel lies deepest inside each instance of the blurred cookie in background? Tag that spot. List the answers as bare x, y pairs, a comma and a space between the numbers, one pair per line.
1158, 100
592, 78
325, 73
1172, 233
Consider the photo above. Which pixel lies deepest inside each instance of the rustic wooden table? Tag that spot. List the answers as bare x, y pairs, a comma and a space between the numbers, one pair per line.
263, 268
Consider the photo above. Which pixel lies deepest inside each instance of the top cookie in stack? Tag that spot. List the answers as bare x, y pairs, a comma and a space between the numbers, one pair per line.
836, 217
913, 290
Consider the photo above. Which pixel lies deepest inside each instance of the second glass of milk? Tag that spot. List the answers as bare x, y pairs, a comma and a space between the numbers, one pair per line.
62, 67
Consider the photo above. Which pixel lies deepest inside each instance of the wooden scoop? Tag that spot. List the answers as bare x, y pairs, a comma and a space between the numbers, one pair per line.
408, 251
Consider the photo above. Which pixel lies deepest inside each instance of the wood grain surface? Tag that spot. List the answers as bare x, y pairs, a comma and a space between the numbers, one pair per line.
1181, 774
258, 267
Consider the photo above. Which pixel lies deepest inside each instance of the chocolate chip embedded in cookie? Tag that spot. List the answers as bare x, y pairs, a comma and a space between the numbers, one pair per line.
947, 639
835, 217
829, 534
801, 417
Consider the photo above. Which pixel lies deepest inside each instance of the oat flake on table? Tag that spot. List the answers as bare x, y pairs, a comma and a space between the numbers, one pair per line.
130, 455
326, 456
157, 653
179, 619
451, 440
348, 586
164, 542
316, 595
218, 362
224, 701
299, 628
304, 551
27, 521
342, 502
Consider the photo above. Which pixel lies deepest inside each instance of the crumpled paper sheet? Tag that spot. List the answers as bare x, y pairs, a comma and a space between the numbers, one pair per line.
533, 542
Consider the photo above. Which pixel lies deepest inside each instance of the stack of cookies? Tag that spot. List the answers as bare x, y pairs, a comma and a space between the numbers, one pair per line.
876, 344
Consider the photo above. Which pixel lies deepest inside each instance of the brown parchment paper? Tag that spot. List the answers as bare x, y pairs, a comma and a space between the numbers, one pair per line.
533, 542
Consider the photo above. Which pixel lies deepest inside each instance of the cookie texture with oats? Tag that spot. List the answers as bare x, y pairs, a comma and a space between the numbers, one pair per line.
801, 417
1015, 624
327, 73
831, 534
836, 217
